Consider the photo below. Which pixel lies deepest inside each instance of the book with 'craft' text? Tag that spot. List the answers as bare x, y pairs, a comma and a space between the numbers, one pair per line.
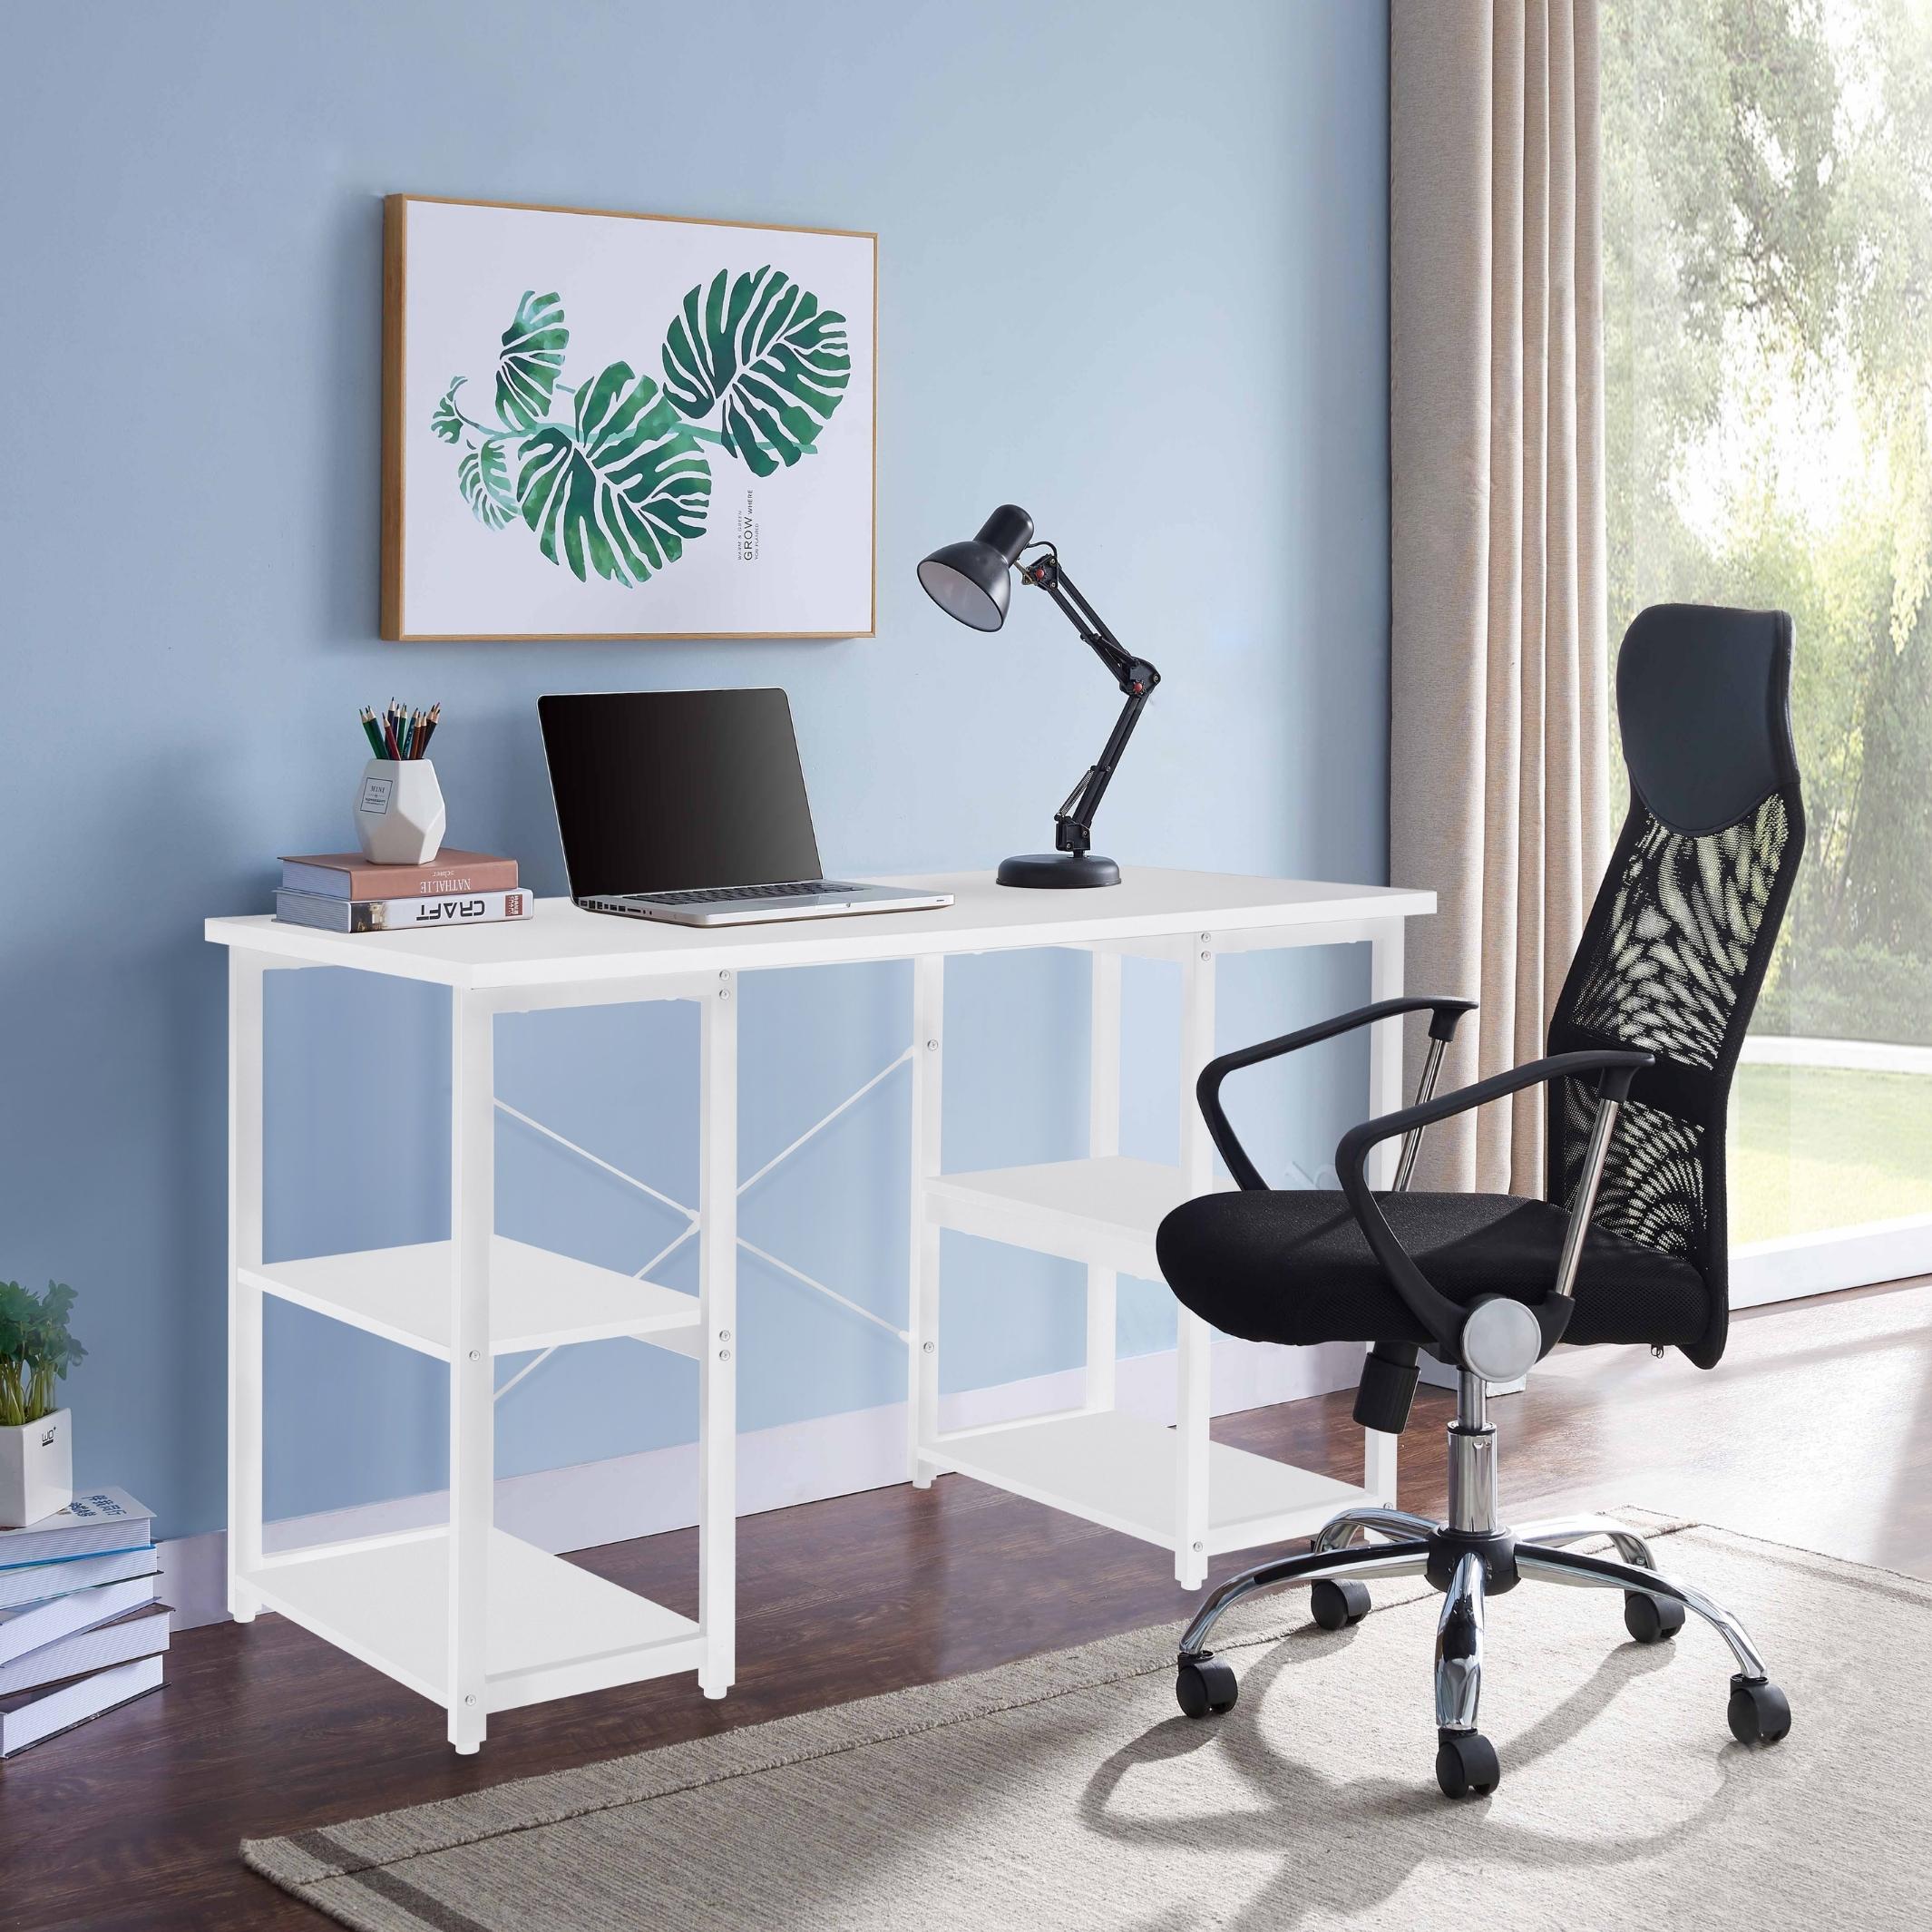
425, 914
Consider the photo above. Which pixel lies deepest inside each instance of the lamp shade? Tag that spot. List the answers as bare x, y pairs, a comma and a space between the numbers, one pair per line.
972, 581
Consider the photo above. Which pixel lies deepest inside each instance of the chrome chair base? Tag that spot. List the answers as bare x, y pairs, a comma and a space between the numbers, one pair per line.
1470, 1559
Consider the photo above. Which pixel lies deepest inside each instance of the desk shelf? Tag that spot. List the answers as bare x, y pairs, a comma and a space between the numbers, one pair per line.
1121, 1470
1102, 1211
538, 1300
552, 1630
1111, 1467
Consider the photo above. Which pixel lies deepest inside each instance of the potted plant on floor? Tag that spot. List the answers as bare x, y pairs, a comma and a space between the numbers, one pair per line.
36, 1449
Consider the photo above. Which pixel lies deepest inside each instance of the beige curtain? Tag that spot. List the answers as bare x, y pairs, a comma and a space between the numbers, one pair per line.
1499, 750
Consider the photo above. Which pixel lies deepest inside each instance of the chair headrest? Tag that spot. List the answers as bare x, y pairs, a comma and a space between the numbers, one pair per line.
1704, 699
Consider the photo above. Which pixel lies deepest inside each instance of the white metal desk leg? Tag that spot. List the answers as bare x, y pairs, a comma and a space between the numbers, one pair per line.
922, 1322
245, 976
1103, 1137
1194, 1339
718, 1279
1385, 1043
472, 1444
1385, 1097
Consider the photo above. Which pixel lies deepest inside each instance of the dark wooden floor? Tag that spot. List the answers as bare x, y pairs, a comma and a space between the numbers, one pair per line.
1816, 1430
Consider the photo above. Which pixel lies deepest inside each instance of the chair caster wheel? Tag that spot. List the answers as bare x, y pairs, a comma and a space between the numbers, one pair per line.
1336, 1605
1759, 1713
1652, 1619
1205, 1687
1466, 1764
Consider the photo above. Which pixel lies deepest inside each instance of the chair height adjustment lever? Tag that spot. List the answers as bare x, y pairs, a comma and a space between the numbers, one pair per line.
1388, 1387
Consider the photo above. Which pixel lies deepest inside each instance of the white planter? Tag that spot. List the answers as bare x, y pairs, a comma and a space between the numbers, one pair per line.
37, 1469
399, 813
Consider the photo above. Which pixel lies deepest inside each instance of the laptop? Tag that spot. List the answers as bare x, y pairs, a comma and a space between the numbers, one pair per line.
690, 806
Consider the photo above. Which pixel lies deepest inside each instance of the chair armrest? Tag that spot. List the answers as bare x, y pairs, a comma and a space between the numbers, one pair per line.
1440, 1316
1208, 1089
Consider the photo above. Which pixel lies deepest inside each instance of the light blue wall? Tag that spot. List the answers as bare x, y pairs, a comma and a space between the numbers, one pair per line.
1132, 274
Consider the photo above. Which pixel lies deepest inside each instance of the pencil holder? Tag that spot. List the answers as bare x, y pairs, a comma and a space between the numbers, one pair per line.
399, 815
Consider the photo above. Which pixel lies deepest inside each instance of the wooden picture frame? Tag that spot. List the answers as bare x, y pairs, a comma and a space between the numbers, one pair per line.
714, 453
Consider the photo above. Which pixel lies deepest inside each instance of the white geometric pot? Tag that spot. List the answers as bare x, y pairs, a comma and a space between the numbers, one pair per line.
399, 815
37, 1469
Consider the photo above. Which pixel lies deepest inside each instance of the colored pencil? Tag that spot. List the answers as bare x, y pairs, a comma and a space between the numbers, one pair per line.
399, 731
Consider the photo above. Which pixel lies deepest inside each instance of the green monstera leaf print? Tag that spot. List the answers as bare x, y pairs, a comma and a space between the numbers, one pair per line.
447, 422
611, 475
531, 361
761, 346
483, 477
619, 490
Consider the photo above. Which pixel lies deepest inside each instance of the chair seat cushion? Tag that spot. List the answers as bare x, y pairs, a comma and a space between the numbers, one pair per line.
1294, 1266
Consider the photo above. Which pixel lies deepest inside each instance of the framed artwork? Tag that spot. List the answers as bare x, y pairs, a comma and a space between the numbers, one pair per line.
607, 425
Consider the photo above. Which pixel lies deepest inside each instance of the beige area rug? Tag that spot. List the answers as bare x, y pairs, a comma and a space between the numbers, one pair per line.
1067, 1792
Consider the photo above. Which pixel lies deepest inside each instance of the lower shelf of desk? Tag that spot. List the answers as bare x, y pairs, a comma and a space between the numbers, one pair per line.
1122, 1470
555, 1630
537, 1299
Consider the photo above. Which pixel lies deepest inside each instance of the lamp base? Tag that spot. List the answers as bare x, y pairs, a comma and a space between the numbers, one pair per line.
1059, 868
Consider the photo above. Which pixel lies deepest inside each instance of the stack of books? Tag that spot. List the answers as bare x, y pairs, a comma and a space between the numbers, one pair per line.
342, 891
80, 1629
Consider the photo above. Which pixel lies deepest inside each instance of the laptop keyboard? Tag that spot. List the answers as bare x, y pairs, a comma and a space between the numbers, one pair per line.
711, 895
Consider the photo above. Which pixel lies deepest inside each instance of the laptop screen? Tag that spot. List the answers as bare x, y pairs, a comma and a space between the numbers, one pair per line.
670, 791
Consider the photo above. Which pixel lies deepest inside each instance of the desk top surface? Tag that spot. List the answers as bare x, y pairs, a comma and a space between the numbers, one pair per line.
563, 945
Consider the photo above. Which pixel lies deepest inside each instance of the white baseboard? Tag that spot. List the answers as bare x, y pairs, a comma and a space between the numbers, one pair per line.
589, 1503
194, 1577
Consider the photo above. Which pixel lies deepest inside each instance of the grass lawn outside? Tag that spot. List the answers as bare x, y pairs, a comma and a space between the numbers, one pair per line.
1816, 1147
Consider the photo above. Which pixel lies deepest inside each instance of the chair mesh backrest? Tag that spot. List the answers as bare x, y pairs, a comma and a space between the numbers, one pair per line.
1680, 937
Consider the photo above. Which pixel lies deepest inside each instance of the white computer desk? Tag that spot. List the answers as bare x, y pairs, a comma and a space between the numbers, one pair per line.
479, 1621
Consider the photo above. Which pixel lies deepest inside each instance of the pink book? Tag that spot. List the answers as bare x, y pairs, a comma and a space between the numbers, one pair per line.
350, 875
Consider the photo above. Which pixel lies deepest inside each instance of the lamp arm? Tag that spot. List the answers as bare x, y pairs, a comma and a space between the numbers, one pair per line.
1073, 823
1047, 575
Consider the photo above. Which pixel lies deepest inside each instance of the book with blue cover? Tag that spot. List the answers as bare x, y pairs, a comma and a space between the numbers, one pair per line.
36, 1583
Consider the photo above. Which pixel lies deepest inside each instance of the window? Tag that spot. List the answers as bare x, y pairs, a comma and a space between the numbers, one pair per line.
1768, 344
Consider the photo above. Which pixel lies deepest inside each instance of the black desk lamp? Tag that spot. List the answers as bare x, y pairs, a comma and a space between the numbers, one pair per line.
970, 581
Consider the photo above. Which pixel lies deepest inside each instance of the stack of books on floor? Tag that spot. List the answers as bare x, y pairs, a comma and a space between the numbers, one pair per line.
80, 1629
342, 891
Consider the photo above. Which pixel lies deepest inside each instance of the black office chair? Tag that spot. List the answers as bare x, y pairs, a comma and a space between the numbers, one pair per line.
1630, 1245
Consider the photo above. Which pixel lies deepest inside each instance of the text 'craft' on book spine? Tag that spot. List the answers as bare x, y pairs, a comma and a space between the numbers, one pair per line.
426, 913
